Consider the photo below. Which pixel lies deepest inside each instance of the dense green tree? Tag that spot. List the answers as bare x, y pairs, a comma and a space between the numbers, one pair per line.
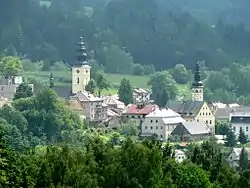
163, 88
243, 161
125, 92
11, 66
221, 128
138, 69
91, 86
244, 179
101, 83
242, 137
180, 74
23, 91
230, 139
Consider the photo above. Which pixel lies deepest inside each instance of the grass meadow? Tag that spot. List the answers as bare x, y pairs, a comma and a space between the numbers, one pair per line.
64, 78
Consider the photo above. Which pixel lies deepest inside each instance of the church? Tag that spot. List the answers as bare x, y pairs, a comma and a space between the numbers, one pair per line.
195, 109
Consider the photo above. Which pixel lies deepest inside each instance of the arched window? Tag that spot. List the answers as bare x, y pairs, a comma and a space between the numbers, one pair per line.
78, 80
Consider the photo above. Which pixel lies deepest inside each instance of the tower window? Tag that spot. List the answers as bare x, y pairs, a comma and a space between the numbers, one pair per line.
77, 71
78, 80
87, 71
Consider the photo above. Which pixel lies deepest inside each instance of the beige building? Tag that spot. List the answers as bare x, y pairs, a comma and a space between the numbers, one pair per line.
81, 70
195, 109
160, 122
93, 108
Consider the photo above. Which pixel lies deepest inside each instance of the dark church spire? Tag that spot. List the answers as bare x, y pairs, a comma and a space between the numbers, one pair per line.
82, 52
51, 81
197, 76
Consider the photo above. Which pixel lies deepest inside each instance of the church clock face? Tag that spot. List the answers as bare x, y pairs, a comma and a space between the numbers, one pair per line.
77, 71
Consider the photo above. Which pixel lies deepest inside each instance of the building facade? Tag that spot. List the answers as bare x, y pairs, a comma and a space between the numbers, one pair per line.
238, 120
93, 108
141, 95
160, 123
80, 70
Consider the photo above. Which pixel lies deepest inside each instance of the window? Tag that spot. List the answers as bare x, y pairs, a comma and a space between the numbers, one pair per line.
151, 127
161, 127
246, 128
151, 121
156, 127
210, 121
197, 120
206, 121
161, 136
77, 71
206, 114
139, 116
234, 128
156, 121
78, 80
146, 127
133, 117
209, 113
203, 113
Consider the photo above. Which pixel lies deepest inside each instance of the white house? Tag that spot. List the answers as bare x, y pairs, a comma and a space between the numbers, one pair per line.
234, 156
179, 156
160, 123
141, 95
240, 119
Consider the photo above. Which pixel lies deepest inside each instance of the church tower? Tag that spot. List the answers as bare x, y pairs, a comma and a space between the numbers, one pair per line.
197, 85
81, 69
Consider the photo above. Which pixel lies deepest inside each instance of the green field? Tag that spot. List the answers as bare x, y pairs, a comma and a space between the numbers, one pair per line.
64, 78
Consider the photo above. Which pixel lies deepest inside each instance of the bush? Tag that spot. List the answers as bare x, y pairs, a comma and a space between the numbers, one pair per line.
138, 70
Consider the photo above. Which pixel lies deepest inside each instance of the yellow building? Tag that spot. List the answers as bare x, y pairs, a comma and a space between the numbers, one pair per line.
81, 70
195, 109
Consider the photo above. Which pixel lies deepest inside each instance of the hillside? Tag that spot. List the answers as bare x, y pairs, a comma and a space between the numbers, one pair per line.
118, 34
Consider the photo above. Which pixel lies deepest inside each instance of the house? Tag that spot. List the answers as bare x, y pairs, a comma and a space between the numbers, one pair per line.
234, 157
8, 86
195, 109
179, 156
240, 118
113, 103
137, 112
223, 114
160, 122
190, 132
141, 95
93, 108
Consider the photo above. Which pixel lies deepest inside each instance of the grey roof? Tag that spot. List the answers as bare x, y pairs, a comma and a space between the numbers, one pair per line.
193, 128
186, 108
223, 113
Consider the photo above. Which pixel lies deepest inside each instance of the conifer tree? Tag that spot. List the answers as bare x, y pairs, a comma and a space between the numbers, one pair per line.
242, 137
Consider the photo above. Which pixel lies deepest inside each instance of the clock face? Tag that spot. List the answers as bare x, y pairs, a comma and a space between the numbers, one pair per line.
77, 71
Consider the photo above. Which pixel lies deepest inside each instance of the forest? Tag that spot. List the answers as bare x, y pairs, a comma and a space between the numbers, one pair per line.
118, 34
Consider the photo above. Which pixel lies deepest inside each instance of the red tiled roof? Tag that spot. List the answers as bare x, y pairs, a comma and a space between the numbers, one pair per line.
133, 109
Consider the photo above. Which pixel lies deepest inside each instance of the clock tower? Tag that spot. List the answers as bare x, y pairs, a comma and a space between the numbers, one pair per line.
197, 85
81, 69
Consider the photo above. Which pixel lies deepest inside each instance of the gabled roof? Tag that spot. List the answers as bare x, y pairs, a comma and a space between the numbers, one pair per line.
237, 152
223, 113
140, 91
135, 109
163, 113
110, 100
193, 128
85, 96
186, 108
